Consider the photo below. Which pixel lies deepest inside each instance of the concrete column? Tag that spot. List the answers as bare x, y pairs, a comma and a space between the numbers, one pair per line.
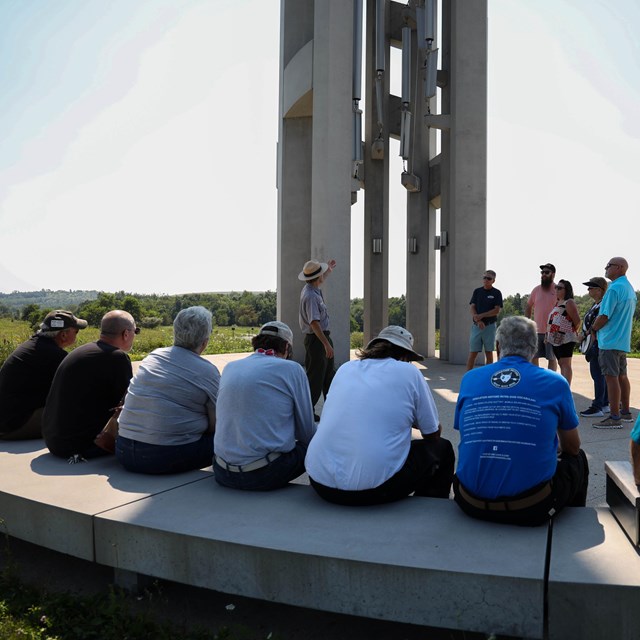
294, 158
421, 221
331, 159
294, 221
376, 194
464, 169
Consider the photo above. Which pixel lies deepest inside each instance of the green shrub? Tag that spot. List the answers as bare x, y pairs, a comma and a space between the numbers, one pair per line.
357, 340
150, 322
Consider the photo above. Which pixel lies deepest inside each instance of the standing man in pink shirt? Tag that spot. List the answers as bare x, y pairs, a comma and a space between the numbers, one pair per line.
542, 300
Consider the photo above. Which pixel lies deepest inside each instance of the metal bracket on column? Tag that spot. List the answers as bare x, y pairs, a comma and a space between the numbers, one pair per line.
441, 241
439, 121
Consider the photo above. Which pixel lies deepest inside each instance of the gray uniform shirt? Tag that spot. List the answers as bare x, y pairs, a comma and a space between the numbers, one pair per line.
312, 307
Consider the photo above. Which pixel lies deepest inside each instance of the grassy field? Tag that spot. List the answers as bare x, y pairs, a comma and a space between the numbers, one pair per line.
223, 339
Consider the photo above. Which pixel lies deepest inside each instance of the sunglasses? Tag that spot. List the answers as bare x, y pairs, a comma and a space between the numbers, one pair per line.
487, 278
546, 273
559, 286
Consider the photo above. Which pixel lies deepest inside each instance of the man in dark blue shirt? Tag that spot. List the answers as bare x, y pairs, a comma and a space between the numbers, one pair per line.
485, 305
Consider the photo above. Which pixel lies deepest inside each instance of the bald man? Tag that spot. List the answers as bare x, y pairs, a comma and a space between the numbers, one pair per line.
88, 384
613, 329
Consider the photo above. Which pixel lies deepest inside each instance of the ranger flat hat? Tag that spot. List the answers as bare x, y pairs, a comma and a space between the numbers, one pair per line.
312, 270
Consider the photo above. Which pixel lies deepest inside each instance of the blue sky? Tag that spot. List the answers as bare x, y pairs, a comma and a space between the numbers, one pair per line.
139, 144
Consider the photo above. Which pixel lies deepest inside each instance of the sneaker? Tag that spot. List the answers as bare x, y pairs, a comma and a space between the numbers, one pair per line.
626, 416
606, 409
608, 423
591, 412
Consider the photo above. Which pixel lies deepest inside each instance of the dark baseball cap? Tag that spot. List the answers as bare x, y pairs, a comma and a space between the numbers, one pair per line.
59, 320
548, 266
596, 281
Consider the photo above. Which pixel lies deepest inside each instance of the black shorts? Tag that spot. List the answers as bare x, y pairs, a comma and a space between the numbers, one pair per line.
564, 350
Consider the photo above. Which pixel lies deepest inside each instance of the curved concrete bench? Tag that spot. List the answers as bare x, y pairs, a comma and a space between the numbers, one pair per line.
419, 560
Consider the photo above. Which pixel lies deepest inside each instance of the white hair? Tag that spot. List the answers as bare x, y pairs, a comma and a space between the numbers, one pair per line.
191, 327
518, 336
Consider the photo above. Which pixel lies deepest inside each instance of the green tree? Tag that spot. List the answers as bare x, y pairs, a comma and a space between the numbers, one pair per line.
132, 305
398, 311
28, 311
357, 314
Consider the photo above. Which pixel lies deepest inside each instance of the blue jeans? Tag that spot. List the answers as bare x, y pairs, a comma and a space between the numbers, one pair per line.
274, 475
141, 457
601, 398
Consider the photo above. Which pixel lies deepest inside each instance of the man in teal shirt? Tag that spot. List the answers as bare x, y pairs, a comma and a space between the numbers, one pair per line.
613, 326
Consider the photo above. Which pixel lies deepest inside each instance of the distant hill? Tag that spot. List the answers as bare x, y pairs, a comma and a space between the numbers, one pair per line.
46, 298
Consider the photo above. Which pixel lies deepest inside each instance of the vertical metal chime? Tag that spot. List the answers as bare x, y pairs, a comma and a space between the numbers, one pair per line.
377, 150
357, 88
409, 180
405, 123
431, 55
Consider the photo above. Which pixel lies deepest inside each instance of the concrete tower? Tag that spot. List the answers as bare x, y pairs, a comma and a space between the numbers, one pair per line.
322, 161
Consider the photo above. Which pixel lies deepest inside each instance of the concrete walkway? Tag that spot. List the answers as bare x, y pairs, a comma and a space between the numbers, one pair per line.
600, 445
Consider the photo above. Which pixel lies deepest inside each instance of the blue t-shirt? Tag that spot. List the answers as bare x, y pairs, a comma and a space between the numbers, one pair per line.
619, 305
635, 432
508, 414
486, 300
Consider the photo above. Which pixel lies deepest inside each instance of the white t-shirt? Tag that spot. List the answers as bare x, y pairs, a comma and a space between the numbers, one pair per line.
365, 432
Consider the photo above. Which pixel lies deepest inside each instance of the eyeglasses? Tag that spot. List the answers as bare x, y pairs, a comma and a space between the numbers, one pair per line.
611, 264
115, 333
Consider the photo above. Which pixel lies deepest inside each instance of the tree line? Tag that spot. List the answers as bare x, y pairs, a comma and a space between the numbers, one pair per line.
246, 308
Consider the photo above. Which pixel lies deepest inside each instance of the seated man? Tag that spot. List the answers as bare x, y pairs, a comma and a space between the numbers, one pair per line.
363, 453
635, 452
511, 416
89, 384
264, 418
26, 375
169, 414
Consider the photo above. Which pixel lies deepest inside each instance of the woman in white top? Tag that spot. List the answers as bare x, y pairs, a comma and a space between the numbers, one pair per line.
562, 327
362, 452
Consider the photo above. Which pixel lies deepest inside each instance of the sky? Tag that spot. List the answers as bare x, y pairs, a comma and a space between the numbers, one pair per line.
138, 145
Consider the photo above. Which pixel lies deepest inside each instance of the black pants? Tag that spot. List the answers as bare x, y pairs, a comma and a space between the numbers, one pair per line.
568, 489
320, 369
427, 472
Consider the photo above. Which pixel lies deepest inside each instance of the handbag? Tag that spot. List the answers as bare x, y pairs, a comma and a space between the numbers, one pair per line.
586, 343
106, 439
